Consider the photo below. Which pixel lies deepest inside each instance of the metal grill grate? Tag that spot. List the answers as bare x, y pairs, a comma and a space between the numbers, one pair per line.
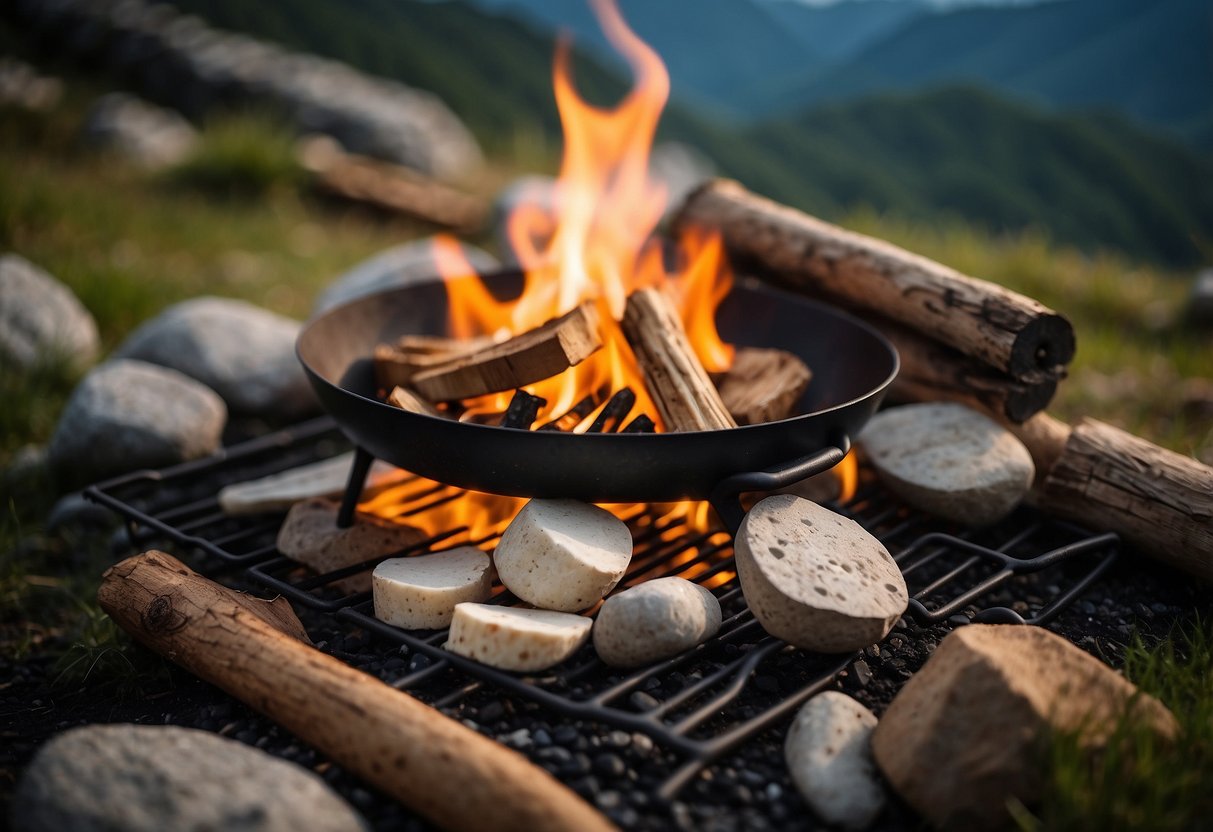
1024, 570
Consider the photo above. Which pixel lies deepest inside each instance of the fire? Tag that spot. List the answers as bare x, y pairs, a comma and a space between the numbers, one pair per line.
594, 241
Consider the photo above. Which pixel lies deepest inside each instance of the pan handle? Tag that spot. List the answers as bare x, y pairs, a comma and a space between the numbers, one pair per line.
726, 497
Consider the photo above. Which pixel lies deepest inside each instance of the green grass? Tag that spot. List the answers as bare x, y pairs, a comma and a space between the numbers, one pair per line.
241, 157
1138, 781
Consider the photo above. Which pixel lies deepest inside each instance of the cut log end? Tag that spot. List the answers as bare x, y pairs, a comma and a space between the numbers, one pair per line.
763, 385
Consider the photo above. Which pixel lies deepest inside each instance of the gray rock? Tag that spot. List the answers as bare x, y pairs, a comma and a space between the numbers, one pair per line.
829, 756
73, 511
142, 778
1199, 307
244, 353
402, 265
129, 414
655, 620
40, 319
147, 135
949, 460
22, 86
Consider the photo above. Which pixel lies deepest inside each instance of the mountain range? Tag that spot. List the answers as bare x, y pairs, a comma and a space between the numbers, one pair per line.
1096, 180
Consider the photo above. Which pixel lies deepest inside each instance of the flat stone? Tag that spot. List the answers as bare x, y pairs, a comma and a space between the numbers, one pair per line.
656, 620
403, 265
950, 461
817, 579
41, 320
150, 136
830, 760
244, 353
141, 778
129, 414
963, 736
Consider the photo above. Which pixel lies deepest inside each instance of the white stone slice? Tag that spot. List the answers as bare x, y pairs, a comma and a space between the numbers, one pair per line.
816, 579
949, 460
655, 620
420, 593
280, 491
829, 756
562, 554
516, 639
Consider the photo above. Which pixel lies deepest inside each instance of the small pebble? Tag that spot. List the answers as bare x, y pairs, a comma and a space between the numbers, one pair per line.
609, 765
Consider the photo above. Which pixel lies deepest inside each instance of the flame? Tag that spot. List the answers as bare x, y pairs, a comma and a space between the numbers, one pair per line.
591, 240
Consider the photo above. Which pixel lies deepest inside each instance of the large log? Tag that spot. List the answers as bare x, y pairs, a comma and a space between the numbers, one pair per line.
256, 651
524, 359
674, 377
1006, 330
931, 371
1108, 479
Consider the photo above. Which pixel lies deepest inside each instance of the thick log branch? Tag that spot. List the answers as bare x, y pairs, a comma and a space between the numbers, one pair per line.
1008, 331
452, 775
674, 377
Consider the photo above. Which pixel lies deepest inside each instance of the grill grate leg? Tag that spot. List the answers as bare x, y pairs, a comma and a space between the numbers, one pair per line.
353, 487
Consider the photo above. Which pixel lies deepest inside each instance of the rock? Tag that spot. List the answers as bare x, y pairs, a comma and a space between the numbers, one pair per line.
129, 414
962, 737
830, 760
141, 778
326, 478
816, 579
403, 265
311, 536
244, 353
41, 321
150, 136
656, 620
22, 86
682, 169
73, 511
563, 554
949, 460
1198, 309
421, 592
513, 638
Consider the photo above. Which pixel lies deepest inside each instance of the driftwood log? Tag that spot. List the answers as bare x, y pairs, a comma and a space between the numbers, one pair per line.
931, 371
257, 651
673, 374
1010, 332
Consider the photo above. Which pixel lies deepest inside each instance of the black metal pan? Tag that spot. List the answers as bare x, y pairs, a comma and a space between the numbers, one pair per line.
852, 367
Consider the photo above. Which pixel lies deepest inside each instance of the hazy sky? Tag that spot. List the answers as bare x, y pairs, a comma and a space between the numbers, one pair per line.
943, 2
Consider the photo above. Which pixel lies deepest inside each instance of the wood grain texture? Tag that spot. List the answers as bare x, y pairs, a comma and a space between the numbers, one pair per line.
673, 374
435, 766
1008, 331
763, 385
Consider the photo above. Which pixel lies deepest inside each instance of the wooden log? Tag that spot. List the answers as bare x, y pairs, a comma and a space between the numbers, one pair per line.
522, 410
1010, 332
396, 364
391, 188
676, 380
614, 412
578, 413
641, 424
524, 359
763, 385
931, 371
407, 399
256, 651
1108, 479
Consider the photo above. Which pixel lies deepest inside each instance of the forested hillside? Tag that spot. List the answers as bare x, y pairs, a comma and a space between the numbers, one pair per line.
1095, 181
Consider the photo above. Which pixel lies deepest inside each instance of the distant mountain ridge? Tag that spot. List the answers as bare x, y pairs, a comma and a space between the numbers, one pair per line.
1095, 181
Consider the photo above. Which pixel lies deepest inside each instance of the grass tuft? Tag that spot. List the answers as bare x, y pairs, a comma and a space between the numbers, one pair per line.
240, 156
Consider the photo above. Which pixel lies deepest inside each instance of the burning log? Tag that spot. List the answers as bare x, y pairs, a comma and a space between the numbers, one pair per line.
407, 399
641, 424
575, 415
522, 410
524, 359
257, 651
680, 387
763, 385
396, 364
616, 410
931, 371
390, 187
1006, 330
1106, 478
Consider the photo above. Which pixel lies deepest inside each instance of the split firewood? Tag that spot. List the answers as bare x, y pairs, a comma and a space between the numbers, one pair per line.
1006, 330
677, 382
522, 410
407, 399
524, 359
390, 187
326, 478
440, 345
396, 364
641, 424
1108, 479
616, 410
257, 652
931, 371
578, 413
763, 385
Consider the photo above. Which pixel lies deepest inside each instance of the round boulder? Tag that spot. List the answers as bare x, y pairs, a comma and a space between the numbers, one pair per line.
41, 321
653, 621
129, 414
